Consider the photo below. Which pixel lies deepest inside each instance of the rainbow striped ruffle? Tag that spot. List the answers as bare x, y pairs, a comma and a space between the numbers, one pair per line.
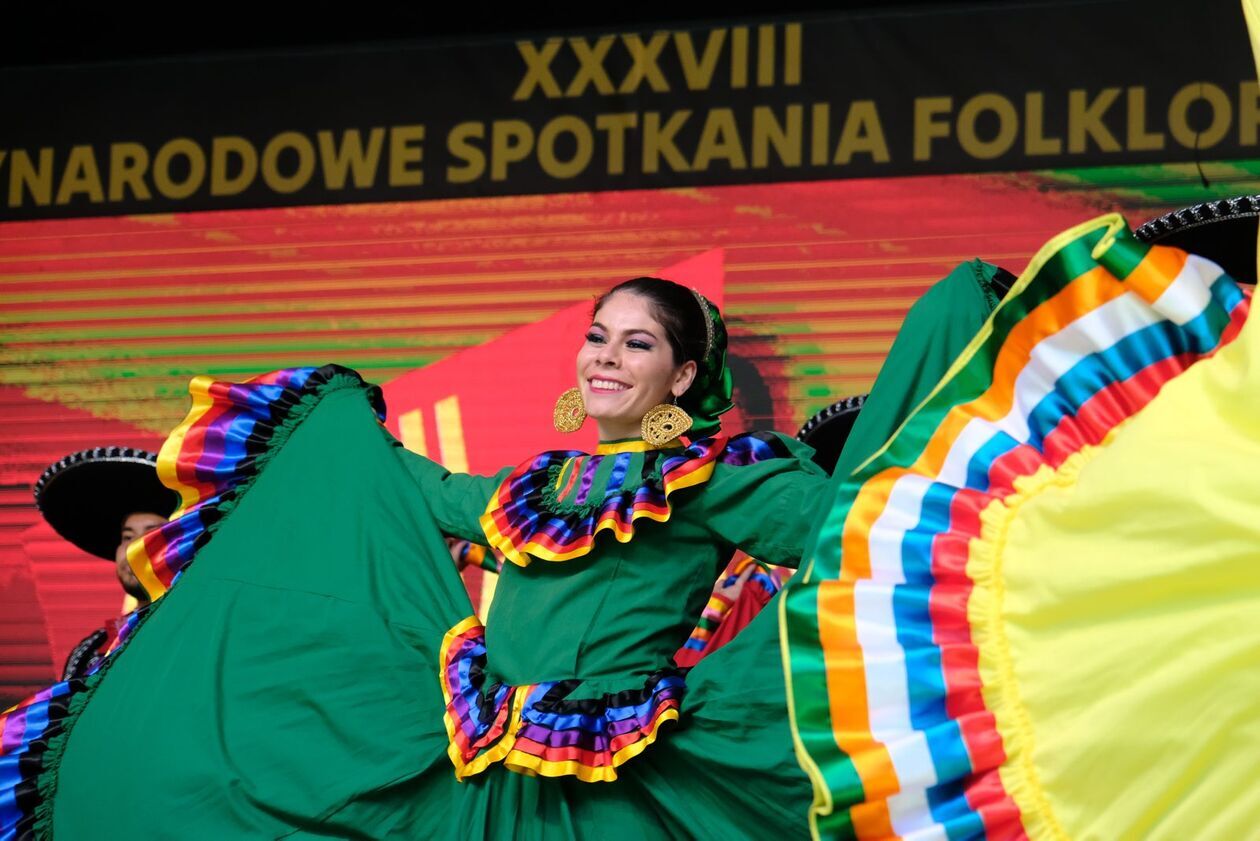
211, 459
219, 448
472, 554
27, 731
540, 729
525, 518
894, 723
743, 578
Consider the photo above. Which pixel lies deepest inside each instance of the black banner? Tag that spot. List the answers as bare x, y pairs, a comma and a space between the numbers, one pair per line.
1033, 86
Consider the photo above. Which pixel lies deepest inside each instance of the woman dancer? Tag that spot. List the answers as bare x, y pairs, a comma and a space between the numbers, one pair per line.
339, 684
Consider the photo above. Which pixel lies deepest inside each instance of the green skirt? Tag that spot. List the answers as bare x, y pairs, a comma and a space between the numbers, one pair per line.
287, 684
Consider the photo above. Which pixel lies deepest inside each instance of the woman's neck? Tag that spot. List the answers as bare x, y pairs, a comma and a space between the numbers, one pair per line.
609, 432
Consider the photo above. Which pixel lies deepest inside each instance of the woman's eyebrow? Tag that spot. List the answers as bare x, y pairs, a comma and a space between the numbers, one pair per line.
642, 330
645, 331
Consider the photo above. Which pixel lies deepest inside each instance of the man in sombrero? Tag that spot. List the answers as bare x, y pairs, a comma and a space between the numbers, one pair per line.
101, 500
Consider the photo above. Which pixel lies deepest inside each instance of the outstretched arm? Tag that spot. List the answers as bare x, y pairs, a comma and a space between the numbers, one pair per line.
457, 500
766, 507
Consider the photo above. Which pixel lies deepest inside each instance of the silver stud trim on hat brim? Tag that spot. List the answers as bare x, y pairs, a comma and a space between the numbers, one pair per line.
1205, 213
125, 455
844, 406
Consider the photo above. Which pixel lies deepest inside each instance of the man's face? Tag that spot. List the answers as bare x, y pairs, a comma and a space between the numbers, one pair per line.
136, 525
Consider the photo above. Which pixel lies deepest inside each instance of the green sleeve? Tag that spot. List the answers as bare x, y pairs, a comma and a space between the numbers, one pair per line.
456, 500
765, 508
936, 329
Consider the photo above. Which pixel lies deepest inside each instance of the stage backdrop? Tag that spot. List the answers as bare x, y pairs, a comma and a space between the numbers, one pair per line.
409, 212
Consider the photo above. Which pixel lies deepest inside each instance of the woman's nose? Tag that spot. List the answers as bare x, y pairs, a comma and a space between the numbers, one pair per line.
608, 356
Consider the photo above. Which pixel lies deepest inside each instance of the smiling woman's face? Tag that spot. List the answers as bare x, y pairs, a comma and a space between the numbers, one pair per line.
626, 366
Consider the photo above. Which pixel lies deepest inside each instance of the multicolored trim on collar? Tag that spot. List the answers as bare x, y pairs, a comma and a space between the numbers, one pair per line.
552, 506
633, 445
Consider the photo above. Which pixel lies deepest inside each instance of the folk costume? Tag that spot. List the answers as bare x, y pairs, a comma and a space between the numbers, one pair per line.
85, 497
312, 668
340, 685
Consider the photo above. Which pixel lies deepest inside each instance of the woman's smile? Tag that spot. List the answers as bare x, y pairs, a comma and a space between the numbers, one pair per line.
626, 366
603, 385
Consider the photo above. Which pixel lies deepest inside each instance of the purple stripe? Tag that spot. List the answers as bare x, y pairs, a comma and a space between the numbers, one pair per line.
589, 465
463, 694
594, 742
17, 725
563, 532
14, 730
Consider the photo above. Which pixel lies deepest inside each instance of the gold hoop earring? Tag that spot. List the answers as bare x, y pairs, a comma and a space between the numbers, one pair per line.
664, 423
570, 411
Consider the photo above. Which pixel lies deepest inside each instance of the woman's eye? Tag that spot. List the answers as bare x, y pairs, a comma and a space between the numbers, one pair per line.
594, 338
638, 344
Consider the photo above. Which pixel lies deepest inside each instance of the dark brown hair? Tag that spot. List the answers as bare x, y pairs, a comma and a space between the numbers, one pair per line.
676, 308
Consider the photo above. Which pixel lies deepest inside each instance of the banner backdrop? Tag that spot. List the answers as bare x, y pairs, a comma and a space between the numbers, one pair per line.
237, 214
997, 88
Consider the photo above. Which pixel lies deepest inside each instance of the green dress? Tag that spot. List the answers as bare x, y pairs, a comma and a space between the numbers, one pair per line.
291, 681
312, 667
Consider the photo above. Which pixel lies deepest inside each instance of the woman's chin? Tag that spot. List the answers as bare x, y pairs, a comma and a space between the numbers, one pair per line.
616, 427
610, 407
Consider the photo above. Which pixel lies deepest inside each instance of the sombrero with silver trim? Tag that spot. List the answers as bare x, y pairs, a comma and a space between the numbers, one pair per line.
86, 496
827, 431
1223, 231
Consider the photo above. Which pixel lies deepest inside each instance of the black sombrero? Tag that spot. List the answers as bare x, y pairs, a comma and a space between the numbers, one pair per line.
1223, 231
86, 496
827, 431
